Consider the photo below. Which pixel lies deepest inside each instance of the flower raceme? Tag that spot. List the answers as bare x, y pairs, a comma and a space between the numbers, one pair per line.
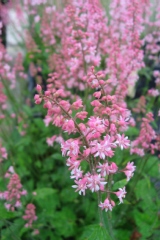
3, 153
96, 137
30, 215
14, 191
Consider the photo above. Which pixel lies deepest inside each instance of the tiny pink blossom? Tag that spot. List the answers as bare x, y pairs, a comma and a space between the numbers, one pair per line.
129, 170
70, 147
81, 185
78, 104
96, 182
69, 126
107, 205
38, 88
77, 173
113, 168
35, 232
122, 141
51, 140
81, 115
103, 169
121, 194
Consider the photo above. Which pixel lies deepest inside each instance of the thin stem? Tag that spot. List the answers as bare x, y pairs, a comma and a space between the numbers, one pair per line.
100, 210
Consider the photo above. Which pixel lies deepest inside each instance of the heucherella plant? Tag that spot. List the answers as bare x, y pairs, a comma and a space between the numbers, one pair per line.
96, 136
14, 192
91, 59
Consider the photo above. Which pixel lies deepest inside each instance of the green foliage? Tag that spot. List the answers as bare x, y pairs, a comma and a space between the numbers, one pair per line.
120, 184
95, 232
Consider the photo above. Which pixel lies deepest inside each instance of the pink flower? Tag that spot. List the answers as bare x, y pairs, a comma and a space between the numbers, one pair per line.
103, 148
153, 92
73, 163
77, 173
121, 194
69, 126
129, 170
70, 147
103, 169
107, 205
78, 104
97, 94
113, 168
35, 232
130, 166
96, 124
122, 141
3, 153
47, 120
51, 140
96, 182
37, 99
81, 185
81, 115
38, 88
14, 192
37, 19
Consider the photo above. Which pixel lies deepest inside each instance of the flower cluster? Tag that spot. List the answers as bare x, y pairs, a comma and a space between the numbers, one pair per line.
30, 215
144, 142
97, 136
151, 39
14, 192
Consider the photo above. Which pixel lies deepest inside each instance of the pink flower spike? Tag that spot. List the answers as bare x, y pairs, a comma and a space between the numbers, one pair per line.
30, 215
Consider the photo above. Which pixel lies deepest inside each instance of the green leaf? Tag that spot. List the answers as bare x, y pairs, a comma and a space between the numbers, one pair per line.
145, 223
47, 199
58, 157
132, 131
120, 184
68, 195
4, 214
152, 166
122, 234
95, 232
118, 156
12, 230
64, 222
